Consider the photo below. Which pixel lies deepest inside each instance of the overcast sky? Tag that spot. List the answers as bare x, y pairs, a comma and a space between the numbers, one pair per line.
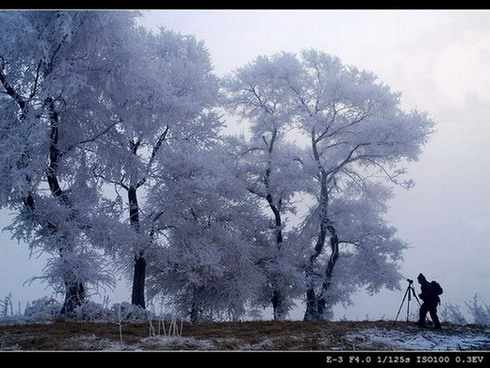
440, 61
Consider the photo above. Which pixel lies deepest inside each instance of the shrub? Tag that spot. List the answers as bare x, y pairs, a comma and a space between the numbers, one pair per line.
128, 312
42, 309
452, 313
91, 311
479, 310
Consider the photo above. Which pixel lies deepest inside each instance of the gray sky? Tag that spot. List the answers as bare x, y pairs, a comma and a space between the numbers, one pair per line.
440, 61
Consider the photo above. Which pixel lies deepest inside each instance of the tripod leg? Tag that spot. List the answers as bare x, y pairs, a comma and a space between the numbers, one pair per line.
416, 297
401, 305
408, 308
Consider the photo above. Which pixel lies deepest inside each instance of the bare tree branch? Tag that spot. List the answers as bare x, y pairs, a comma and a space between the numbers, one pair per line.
36, 80
10, 90
250, 150
356, 178
331, 146
261, 103
391, 178
94, 138
157, 145
117, 183
348, 159
298, 94
261, 195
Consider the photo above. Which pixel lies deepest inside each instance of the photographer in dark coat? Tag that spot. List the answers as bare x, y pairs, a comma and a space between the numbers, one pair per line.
430, 292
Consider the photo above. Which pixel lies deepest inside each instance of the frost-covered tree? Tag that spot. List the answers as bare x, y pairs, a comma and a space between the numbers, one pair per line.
364, 248
206, 228
357, 136
50, 65
163, 92
272, 169
357, 132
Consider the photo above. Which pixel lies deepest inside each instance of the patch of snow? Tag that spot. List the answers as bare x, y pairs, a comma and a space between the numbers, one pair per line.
418, 339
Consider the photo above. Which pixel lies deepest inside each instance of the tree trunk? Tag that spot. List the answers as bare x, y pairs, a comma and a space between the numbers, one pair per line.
334, 245
194, 314
278, 299
314, 312
139, 271
311, 313
139, 275
74, 297
315, 304
74, 291
279, 311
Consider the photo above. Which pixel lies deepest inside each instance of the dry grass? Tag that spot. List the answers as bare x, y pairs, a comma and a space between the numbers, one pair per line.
258, 335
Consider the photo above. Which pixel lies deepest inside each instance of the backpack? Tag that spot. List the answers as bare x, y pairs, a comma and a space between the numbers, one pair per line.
437, 289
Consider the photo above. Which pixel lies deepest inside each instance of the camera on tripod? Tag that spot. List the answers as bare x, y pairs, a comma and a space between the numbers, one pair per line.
408, 295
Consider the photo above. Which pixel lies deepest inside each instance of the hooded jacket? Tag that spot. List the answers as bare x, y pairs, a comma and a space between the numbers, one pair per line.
428, 294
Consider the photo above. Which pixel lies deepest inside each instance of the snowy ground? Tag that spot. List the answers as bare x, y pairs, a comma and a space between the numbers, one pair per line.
414, 338
260, 335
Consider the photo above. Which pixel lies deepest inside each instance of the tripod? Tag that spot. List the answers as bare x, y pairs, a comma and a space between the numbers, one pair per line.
408, 295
